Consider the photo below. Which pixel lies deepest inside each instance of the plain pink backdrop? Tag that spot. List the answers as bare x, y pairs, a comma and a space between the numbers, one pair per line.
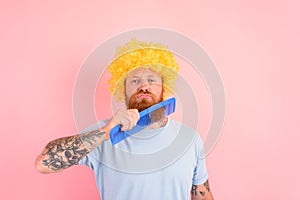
254, 44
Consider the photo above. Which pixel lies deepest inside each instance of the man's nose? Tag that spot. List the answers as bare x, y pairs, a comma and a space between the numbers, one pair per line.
144, 86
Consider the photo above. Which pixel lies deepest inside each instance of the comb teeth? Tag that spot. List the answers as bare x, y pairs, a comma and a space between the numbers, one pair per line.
147, 117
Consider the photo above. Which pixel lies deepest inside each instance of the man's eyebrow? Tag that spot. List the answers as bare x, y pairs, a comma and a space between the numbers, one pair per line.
152, 76
138, 76
134, 76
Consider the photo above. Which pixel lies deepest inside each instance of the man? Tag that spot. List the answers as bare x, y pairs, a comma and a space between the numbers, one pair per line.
142, 75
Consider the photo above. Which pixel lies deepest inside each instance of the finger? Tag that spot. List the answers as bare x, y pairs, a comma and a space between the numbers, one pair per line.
124, 125
135, 115
134, 118
130, 123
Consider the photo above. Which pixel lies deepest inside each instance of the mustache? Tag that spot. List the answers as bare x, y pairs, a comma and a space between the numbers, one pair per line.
144, 92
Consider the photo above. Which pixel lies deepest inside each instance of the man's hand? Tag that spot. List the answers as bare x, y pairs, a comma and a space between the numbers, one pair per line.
126, 118
201, 192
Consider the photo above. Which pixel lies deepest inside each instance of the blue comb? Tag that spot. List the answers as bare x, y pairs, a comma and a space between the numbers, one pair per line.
146, 118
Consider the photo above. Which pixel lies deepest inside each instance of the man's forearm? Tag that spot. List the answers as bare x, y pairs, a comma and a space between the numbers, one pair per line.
65, 152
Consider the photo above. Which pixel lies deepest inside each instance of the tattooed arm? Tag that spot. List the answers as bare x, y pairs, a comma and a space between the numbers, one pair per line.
65, 152
201, 192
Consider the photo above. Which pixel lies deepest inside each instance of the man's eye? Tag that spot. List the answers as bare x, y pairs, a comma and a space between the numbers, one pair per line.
151, 80
134, 81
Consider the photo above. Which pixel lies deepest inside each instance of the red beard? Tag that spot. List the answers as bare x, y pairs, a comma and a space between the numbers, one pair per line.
143, 103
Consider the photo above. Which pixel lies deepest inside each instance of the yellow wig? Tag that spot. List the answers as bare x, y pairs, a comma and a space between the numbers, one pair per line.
137, 54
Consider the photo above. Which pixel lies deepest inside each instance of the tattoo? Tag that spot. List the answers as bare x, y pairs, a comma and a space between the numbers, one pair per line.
92, 138
194, 190
65, 152
202, 193
206, 184
164, 122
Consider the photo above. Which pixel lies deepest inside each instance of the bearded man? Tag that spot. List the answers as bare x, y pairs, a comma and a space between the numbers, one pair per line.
143, 74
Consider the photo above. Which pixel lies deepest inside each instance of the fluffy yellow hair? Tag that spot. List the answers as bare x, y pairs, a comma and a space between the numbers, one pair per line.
137, 54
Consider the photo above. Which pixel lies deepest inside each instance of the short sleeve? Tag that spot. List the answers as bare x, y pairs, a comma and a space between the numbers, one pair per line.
200, 172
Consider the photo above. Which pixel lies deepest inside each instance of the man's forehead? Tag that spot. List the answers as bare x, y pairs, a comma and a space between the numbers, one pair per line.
140, 72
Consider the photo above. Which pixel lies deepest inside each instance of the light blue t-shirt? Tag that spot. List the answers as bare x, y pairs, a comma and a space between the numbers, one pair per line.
160, 163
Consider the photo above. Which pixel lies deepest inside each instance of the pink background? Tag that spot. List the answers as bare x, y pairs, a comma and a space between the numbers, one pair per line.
254, 44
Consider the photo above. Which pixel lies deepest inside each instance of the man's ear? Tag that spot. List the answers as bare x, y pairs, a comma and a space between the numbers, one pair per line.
125, 96
125, 86
162, 93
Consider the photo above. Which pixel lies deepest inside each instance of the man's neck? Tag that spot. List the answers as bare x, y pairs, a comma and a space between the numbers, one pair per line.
159, 124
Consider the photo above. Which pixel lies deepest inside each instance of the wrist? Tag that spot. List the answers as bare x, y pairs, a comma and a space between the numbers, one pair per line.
110, 125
